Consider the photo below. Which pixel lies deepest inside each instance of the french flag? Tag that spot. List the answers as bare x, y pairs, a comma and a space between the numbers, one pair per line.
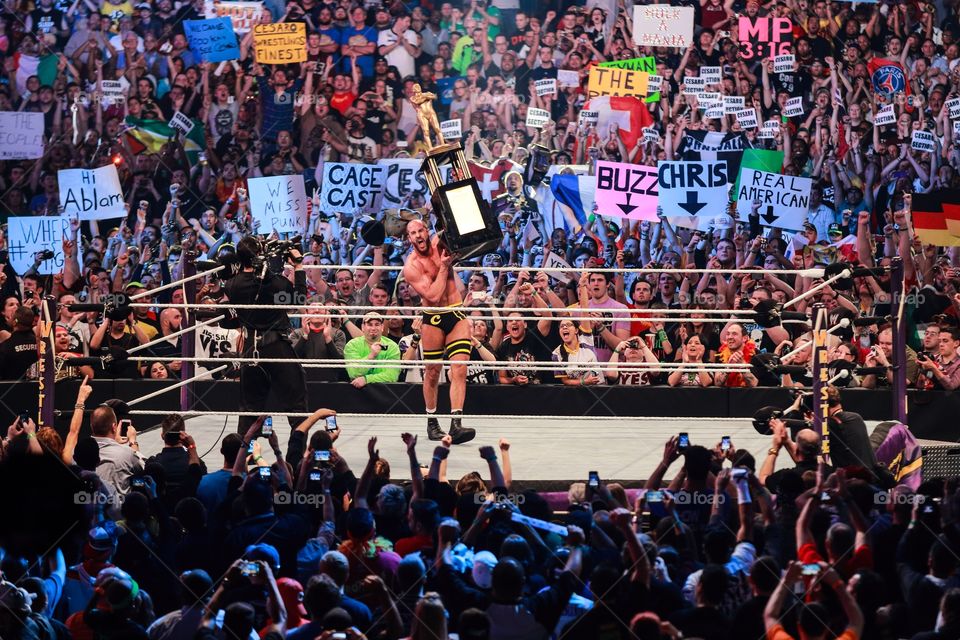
578, 194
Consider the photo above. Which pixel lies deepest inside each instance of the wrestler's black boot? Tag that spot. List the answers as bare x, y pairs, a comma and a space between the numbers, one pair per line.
434, 432
459, 433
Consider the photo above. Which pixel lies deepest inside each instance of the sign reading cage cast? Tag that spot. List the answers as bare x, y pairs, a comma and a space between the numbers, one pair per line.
660, 25
351, 187
280, 43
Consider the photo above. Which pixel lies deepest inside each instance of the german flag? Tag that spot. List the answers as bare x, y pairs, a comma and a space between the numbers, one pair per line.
930, 218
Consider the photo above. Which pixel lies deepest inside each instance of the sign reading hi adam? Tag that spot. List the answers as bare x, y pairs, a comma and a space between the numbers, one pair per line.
280, 43
91, 194
660, 25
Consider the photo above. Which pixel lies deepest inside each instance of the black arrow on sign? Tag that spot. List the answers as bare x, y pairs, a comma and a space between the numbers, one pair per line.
692, 205
769, 216
627, 208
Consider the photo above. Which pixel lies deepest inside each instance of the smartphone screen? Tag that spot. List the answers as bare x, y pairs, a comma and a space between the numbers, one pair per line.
725, 443
267, 426
811, 569
321, 456
315, 476
653, 496
265, 473
331, 423
683, 440
594, 479
250, 447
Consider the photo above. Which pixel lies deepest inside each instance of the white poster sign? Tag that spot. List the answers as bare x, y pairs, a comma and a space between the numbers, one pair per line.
568, 78
181, 123
21, 135
794, 107
732, 104
784, 200
91, 194
884, 116
692, 189
589, 117
536, 118
784, 63
660, 25
923, 141
747, 118
28, 236
350, 187
546, 86
451, 129
710, 75
279, 203
402, 181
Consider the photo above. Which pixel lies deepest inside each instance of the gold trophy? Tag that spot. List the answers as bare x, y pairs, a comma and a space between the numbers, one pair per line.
463, 218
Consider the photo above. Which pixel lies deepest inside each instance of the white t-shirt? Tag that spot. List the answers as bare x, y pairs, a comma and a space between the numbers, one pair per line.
579, 364
399, 57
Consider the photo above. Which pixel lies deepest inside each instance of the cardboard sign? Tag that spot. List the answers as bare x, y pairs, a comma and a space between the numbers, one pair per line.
713, 113
212, 40
769, 129
546, 86
692, 189
651, 135
606, 81
243, 15
589, 117
280, 43
693, 86
710, 100
660, 25
784, 63
764, 37
28, 236
784, 200
551, 262
451, 129
402, 181
747, 118
111, 92
923, 141
710, 75
884, 116
350, 187
626, 190
954, 107
181, 123
536, 118
91, 194
279, 203
568, 78
647, 64
794, 107
21, 136
732, 104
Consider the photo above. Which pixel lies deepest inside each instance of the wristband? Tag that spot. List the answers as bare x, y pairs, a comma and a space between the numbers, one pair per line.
773, 451
438, 458
30, 436
258, 459
79, 405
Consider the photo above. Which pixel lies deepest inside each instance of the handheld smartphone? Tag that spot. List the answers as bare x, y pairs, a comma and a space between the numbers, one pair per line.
267, 426
264, 472
593, 479
478, 295
25, 417
250, 447
683, 440
824, 496
331, 423
653, 496
122, 427
138, 482
321, 456
725, 444
811, 569
315, 476
249, 569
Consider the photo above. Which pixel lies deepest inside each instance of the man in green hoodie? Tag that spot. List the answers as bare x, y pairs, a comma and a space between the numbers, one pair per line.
372, 346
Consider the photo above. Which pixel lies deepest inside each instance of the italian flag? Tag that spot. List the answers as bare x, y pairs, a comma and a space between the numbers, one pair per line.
149, 136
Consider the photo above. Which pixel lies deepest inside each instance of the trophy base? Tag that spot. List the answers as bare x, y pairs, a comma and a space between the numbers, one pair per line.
443, 149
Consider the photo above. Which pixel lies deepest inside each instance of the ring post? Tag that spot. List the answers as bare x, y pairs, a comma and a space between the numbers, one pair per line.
47, 377
188, 339
821, 376
899, 382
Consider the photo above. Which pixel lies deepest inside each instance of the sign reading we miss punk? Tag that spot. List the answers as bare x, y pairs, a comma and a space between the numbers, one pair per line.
280, 43
765, 37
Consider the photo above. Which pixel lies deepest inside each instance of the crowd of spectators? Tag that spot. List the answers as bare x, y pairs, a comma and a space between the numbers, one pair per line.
258, 541
102, 543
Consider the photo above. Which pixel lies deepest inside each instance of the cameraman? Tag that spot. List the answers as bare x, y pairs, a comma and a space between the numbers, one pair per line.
265, 333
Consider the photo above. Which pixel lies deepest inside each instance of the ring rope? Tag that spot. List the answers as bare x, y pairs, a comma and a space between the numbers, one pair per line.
404, 364
438, 416
807, 273
357, 307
